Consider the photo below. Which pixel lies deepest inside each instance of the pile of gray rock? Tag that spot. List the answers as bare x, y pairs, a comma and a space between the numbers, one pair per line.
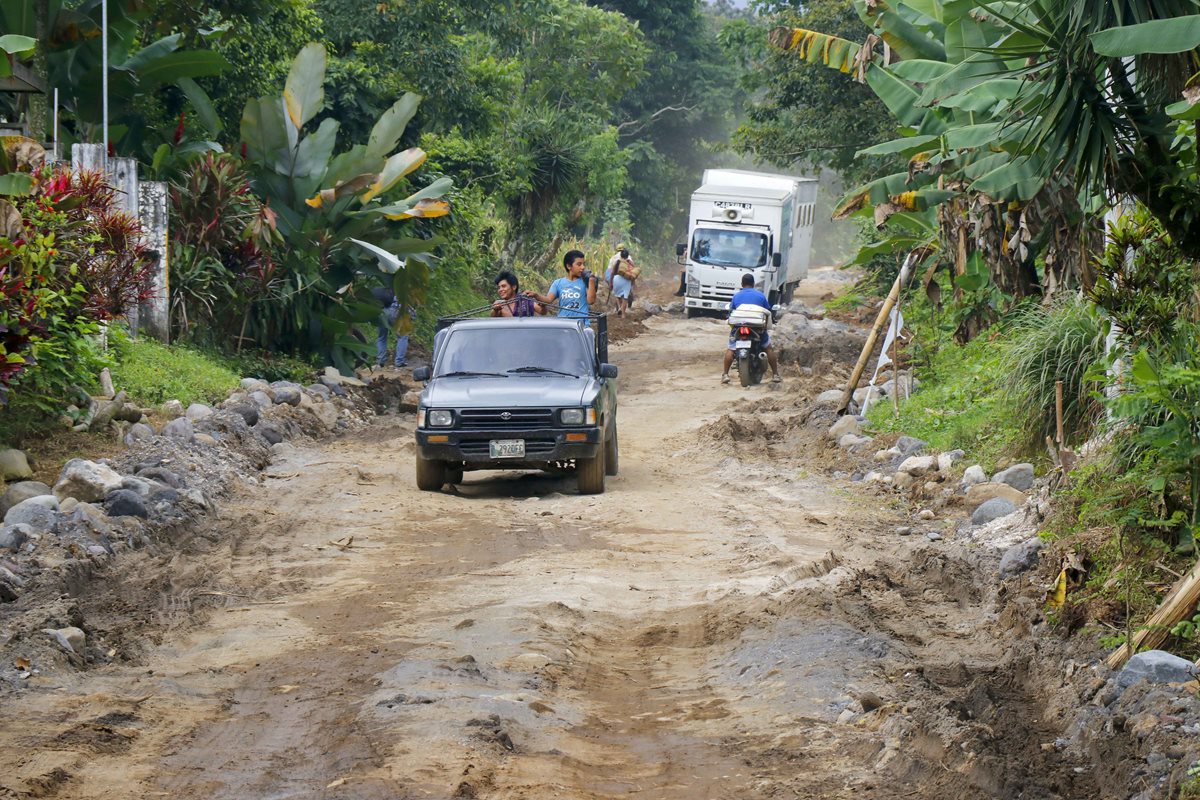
95, 509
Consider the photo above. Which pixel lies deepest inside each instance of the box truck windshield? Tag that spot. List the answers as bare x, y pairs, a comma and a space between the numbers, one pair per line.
727, 248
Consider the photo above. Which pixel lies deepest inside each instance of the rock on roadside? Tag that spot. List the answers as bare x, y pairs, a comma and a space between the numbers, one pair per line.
992, 509
1156, 666
20, 492
1021, 557
1018, 476
86, 481
36, 512
14, 466
982, 492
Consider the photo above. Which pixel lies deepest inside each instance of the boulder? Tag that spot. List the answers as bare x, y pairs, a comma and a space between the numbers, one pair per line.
68, 505
125, 503
410, 400
883, 456
180, 428
205, 439
982, 492
992, 509
140, 486
1156, 666
918, 465
974, 475
161, 475
910, 446
248, 412
844, 425
198, 411
852, 441
86, 481
325, 413
36, 512
128, 412
651, 309
71, 639
861, 395
1018, 476
269, 432
261, 399
172, 409
139, 432
13, 536
903, 480
288, 394
14, 466
1021, 557
829, 397
20, 492
254, 385
320, 391
946, 461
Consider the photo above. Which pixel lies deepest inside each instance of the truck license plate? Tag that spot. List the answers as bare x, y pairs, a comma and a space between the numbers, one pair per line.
742, 345
507, 448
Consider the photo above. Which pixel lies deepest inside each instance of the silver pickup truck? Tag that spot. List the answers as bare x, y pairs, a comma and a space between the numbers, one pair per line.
518, 393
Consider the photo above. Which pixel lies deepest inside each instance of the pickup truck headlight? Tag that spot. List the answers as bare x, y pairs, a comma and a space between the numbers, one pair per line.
440, 418
578, 416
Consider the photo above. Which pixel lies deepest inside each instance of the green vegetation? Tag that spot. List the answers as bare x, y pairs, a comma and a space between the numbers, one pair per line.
152, 373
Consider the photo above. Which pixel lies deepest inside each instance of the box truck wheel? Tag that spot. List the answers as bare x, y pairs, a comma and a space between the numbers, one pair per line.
690, 312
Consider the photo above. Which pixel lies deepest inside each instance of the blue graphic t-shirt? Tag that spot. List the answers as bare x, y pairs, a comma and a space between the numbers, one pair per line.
748, 297
572, 297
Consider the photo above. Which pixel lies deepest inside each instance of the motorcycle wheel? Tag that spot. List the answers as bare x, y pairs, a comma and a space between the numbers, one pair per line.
746, 371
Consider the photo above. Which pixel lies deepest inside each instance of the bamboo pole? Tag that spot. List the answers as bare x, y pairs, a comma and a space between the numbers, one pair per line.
1058, 411
869, 347
1180, 602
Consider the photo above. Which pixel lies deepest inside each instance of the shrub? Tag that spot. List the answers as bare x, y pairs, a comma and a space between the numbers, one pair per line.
1043, 345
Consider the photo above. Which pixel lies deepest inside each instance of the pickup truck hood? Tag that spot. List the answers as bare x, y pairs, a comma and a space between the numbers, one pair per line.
517, 391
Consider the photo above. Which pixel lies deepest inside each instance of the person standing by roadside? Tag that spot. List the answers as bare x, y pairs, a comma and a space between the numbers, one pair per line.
574, 293
386, 323
511, 302
621, 275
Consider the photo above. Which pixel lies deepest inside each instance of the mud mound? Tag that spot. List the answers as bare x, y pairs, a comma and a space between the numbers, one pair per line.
744, 430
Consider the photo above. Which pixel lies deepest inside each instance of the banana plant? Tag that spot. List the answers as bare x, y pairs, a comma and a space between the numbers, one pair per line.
324, 199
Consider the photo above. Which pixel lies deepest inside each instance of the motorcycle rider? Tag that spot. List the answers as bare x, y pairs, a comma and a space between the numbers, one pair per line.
749, 296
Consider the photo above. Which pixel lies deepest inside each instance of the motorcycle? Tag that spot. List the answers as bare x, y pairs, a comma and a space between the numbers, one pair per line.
748, 326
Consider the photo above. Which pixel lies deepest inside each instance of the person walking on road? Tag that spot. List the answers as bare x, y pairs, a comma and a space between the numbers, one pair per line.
621, 275
575, 293
386, 323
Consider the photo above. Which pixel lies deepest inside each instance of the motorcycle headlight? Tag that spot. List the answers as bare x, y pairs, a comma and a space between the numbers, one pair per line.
440, 418
578, 416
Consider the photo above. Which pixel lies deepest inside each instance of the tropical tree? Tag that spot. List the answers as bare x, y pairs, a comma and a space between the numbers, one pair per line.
335, 214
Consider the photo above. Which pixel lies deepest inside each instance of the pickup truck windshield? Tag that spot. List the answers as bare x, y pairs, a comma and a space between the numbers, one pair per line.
514, 352
726, 248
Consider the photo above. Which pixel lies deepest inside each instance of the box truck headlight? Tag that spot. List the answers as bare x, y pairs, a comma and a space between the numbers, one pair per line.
693, 286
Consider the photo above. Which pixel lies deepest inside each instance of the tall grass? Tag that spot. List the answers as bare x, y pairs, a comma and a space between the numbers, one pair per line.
1044, 345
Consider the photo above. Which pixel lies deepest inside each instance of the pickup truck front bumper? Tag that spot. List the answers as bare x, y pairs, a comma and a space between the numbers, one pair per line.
542, 445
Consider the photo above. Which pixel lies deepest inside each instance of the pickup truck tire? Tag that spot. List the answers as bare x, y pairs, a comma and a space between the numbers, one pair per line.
431, 475
454, 475
612, 452
589, 473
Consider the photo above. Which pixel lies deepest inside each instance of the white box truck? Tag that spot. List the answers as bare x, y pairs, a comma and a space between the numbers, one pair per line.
746, 221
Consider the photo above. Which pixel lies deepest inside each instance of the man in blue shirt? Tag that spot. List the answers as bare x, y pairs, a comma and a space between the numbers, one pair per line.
573, 294
749, 296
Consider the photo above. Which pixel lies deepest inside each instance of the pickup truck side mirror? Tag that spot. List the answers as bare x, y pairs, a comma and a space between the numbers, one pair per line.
776, 259
680, 249
421, 374
608, 370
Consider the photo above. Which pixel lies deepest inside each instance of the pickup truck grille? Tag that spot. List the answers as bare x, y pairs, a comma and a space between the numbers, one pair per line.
533, 447
501, 418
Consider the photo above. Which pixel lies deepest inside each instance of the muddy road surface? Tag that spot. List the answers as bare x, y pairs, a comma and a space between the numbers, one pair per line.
726, 621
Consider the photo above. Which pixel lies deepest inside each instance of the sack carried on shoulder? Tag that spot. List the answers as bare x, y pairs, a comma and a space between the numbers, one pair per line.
627, 270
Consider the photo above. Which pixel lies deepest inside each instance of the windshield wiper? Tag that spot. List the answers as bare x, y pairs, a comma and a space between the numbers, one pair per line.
544, 369
469, 374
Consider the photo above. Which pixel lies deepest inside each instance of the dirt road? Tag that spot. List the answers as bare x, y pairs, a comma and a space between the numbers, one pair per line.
725, 622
